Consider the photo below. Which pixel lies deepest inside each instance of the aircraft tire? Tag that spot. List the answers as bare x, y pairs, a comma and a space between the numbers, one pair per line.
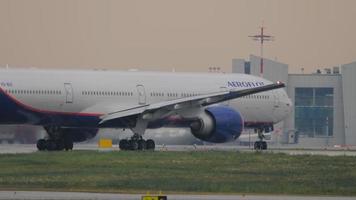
264, 145
256, 145
133, 145
51, 145
124, 145
41, 144
142, 145
60, 145
68, 143
260, 145
150, 144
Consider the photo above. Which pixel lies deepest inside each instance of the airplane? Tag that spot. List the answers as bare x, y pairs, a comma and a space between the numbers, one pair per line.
71, 105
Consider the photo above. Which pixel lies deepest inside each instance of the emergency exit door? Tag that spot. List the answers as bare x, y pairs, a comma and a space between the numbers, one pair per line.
68, 89
141, 94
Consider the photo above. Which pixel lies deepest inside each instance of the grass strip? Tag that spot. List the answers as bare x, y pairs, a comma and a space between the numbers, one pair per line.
179, 172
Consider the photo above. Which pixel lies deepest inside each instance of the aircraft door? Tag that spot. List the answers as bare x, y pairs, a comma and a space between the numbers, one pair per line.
276, 102
276, 105
141, 94
69, 92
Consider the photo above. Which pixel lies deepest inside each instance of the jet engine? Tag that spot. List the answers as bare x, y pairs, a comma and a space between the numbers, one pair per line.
217, 124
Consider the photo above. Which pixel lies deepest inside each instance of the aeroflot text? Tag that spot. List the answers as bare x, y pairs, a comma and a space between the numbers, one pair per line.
244, 84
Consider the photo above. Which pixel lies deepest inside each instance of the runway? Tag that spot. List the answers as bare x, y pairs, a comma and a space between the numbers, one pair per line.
31, 148
23, 195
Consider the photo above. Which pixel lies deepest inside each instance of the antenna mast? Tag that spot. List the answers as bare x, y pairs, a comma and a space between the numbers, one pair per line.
261, 38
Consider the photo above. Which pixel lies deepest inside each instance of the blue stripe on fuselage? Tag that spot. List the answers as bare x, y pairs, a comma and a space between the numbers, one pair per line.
11, 112
14, 112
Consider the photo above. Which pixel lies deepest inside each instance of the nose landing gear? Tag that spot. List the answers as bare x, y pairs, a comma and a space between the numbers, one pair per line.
260, 145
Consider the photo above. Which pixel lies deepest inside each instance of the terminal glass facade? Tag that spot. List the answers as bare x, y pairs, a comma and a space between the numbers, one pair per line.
314, 111
247, 67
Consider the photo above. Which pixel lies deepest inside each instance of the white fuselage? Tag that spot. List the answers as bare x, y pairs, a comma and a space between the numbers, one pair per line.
102, 92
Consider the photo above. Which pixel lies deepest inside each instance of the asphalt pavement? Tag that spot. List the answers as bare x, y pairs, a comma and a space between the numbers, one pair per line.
23, 195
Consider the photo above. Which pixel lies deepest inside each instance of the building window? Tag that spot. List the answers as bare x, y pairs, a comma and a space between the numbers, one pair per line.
247, 67
314, 111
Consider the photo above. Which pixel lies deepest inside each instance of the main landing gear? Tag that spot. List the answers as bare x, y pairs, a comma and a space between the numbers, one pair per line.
54, 145
136, 142
260, 145
57, 140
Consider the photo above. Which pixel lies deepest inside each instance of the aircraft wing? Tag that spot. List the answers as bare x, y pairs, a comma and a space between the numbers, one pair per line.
188, 102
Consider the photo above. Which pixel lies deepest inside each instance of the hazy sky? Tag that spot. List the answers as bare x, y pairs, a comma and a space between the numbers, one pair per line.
188, 35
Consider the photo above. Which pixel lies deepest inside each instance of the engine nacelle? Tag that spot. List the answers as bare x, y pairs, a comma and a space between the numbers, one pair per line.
218, 124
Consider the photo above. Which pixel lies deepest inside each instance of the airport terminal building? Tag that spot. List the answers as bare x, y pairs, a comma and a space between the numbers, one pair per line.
324, 113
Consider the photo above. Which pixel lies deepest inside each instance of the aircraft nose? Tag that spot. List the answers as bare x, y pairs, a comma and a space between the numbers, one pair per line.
288, 105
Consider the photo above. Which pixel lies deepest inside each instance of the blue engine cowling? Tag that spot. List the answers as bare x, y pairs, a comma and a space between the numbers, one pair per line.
218, 124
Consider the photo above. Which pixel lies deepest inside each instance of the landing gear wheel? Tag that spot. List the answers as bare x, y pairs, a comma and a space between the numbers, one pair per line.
260, 145
59, 139
264, 145
68, 142
142, 144
60, 145
68, 145
133, 145
124, 144
51, 145
150, 144
41, 145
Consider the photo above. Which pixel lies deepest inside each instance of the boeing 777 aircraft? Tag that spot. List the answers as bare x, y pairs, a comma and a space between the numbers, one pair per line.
72, 105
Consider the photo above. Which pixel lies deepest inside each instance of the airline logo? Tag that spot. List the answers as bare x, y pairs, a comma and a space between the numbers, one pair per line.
244, 84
